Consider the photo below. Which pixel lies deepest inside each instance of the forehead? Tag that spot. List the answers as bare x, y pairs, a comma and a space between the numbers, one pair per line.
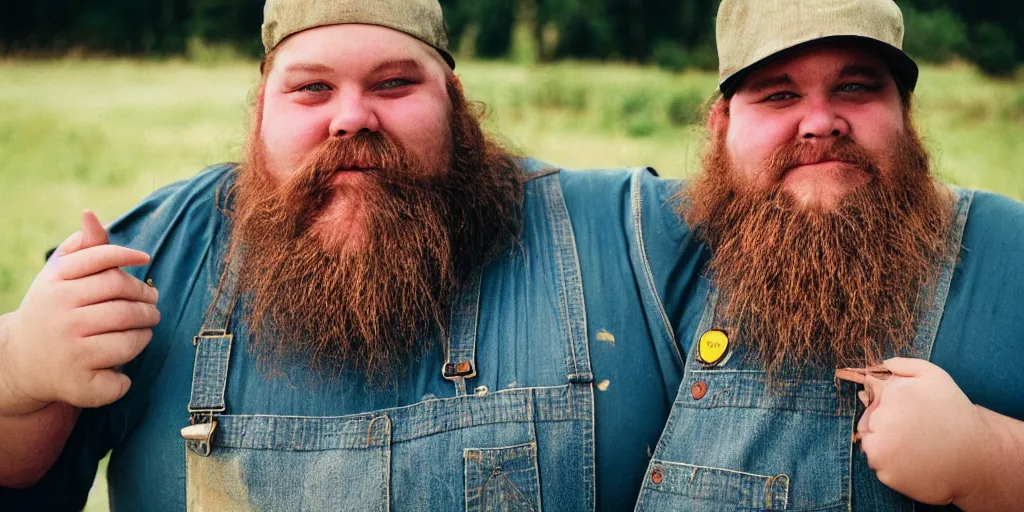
354, 48
820, 62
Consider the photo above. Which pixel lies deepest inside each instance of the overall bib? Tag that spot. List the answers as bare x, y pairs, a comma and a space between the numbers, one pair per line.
731, 443
515, 449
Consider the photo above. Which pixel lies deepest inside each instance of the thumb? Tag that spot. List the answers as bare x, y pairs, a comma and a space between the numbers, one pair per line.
106, 387
906, 367
93, 233
864, 425
873, 387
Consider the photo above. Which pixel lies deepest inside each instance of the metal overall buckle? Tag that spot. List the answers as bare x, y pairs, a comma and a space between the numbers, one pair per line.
199, 432
459, 370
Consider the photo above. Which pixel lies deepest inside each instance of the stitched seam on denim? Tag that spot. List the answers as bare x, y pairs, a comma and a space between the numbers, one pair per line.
636, 201
591, 467
685, 465
387, 468
466, 481
407, 423
557, 227
218, 314
932, 317
540, 174
491, 456
669, 434
212, 360
209, 376
727, 485
460, 344
530, 448
846, 492
570, 287
545, 194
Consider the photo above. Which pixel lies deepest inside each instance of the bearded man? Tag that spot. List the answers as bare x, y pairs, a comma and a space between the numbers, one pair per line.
830, 245
380, 308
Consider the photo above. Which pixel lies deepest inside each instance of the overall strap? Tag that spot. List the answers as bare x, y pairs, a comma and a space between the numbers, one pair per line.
210, 372
931, 312
572, 311
460, 344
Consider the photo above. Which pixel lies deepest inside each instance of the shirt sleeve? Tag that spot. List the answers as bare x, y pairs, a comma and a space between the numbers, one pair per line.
980, 341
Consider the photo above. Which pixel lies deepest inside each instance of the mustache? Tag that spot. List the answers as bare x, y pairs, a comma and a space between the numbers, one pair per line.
842, 149
380, 161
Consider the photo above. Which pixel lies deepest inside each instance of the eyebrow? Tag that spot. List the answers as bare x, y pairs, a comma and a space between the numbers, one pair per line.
785, 80
860, 70
397, 65
308, 67
770, 82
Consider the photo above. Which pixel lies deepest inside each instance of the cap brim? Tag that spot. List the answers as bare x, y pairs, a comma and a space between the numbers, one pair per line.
904, 69
447, 58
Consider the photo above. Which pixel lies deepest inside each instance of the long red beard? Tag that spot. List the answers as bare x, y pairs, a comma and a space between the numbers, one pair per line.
812, 286
367, 303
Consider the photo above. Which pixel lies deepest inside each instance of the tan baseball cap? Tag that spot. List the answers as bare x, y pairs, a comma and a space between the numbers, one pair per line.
751, 33
421, 19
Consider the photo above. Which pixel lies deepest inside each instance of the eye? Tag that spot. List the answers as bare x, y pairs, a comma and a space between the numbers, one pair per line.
780, 96
315, 87
854, 87
393, 83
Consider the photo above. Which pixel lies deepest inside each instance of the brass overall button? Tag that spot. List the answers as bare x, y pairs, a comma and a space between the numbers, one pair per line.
656, 475
698, 390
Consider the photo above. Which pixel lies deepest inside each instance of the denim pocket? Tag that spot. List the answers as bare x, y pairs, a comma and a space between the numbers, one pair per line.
285, 463
504, 479
676, 486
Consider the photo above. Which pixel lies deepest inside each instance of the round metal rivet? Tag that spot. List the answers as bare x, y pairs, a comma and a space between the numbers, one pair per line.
698, 390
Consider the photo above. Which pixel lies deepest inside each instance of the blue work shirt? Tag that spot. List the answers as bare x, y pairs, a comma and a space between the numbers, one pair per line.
575, 359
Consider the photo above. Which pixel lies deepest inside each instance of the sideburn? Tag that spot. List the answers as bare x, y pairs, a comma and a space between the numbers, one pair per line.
371, 306
823, 288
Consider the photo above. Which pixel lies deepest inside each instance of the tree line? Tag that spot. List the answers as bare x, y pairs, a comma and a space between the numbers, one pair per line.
674, 34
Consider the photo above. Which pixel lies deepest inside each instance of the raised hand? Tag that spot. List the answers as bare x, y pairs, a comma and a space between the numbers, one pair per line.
81, 319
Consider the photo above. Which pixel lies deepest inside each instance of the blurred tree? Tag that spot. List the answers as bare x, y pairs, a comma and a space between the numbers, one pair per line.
994, 29
673, 33
934, 36
226, 21
993, 49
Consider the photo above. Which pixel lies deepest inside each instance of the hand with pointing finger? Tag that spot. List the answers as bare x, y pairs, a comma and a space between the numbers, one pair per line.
920, 433
81, 317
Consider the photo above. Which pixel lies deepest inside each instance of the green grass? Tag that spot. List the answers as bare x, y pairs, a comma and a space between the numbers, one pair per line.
103, 134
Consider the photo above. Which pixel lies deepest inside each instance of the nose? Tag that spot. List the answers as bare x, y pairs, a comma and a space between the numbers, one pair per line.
823, 121
354, 115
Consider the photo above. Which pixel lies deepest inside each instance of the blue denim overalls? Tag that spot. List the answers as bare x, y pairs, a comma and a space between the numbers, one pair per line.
732, 444
503, 448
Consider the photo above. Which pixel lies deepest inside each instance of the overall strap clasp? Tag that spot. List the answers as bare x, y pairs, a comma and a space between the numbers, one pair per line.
460, 344
210, 371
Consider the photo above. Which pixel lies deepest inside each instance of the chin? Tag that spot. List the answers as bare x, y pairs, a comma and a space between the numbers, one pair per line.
339, 239
340, 227
823, 194
820, 198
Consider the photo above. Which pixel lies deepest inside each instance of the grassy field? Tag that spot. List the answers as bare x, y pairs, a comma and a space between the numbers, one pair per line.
103, 134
